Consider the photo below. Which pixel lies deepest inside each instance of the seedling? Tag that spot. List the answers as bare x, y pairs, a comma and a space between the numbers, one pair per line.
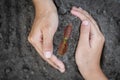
64, 43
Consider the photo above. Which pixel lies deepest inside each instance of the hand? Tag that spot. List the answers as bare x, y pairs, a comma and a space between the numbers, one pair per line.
42, 32
90, 46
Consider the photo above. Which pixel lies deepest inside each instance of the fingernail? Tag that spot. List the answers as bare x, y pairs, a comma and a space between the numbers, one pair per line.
48, 54
73, 7
62, 70
80, 8
61, 67
86, 23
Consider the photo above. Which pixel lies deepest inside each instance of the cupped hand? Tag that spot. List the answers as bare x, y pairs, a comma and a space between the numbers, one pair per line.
89, 47
43, 29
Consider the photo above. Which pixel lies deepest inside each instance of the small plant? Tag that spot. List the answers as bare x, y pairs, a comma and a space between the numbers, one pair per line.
64, 43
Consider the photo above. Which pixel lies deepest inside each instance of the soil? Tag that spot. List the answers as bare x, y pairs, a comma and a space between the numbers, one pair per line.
20, 61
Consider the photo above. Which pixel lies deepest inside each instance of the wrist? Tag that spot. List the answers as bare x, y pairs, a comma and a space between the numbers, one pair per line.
44, 7
95, 74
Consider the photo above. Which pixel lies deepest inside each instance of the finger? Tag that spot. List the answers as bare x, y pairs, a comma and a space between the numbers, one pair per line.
85, 13
85, 33
58, 63
94, 33
94, 37
36, 40
82, 17
90, 17
53, 61
47, 43
48, 50
75, 12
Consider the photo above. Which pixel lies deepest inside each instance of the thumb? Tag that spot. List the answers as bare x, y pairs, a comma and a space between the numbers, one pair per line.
85, 32
47, 44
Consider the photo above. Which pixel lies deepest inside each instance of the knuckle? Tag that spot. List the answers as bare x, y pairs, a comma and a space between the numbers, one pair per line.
31, 39
101, 38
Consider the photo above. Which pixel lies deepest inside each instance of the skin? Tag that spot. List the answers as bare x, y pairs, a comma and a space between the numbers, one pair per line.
90, 43
89, 47
43, 29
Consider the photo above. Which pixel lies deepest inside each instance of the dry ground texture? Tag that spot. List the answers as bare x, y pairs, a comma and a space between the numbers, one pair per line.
19, 60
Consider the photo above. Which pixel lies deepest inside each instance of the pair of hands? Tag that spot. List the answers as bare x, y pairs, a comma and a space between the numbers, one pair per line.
90, 43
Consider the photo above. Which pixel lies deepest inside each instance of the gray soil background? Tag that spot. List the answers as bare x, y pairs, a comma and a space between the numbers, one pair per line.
20, 61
